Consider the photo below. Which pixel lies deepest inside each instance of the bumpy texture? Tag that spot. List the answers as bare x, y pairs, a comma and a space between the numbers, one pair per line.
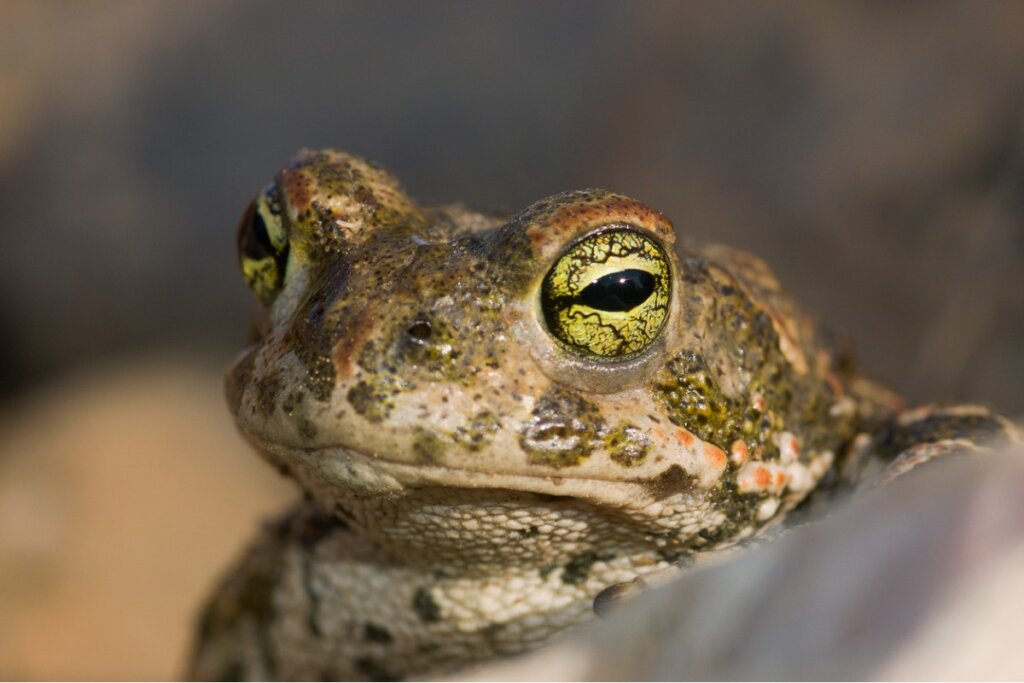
495, 420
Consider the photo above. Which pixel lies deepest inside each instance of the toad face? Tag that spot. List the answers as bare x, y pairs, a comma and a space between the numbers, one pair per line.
565, 351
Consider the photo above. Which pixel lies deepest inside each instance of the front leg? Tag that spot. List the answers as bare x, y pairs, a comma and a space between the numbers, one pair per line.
310, 599
316, 600
921, 435
898, 445
238, 634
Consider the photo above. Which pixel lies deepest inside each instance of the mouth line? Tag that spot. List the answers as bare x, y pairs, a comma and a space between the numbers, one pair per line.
472, 477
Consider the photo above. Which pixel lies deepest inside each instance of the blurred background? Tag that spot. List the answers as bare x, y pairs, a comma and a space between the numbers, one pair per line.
872, 153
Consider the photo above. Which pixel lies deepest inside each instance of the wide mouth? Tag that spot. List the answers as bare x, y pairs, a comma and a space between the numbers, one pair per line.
341, 471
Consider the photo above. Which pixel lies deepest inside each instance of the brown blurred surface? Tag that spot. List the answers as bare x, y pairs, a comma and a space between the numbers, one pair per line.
873, 153
123, 495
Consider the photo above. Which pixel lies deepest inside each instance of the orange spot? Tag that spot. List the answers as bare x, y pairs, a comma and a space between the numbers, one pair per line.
685, 437
715, 457
789, 448
762, 478
740, 452
780, 480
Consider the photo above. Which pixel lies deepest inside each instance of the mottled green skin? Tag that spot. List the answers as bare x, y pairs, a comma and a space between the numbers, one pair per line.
473, 483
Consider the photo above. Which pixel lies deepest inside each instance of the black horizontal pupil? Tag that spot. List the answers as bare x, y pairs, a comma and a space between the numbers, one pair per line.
620, 291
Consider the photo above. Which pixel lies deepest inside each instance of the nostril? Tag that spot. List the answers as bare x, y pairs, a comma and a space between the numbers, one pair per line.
420, 330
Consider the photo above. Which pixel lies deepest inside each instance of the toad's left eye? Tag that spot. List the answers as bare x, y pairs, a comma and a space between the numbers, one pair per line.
607, 296
263, 245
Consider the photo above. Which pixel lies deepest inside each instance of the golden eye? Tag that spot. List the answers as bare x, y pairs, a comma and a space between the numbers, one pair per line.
607, 296
263, 245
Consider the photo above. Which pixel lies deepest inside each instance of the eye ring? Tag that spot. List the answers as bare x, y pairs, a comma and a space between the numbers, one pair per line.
263, 245
607, 296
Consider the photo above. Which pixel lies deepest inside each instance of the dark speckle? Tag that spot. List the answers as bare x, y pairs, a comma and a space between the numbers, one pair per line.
343, 517
562, 431
234, 670
478, 431
374, 401
428, 447
577, 569
373, 670
307, 429
552, 498
425, 607
614, 595
627, 445
492, 631
673, 480
313, 528
677, 556
376, 634
420, 330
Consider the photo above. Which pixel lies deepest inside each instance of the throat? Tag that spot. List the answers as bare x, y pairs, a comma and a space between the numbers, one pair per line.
491, 532
450, 598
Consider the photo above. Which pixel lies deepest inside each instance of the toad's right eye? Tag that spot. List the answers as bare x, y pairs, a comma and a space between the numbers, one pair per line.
607, 297
263, 245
